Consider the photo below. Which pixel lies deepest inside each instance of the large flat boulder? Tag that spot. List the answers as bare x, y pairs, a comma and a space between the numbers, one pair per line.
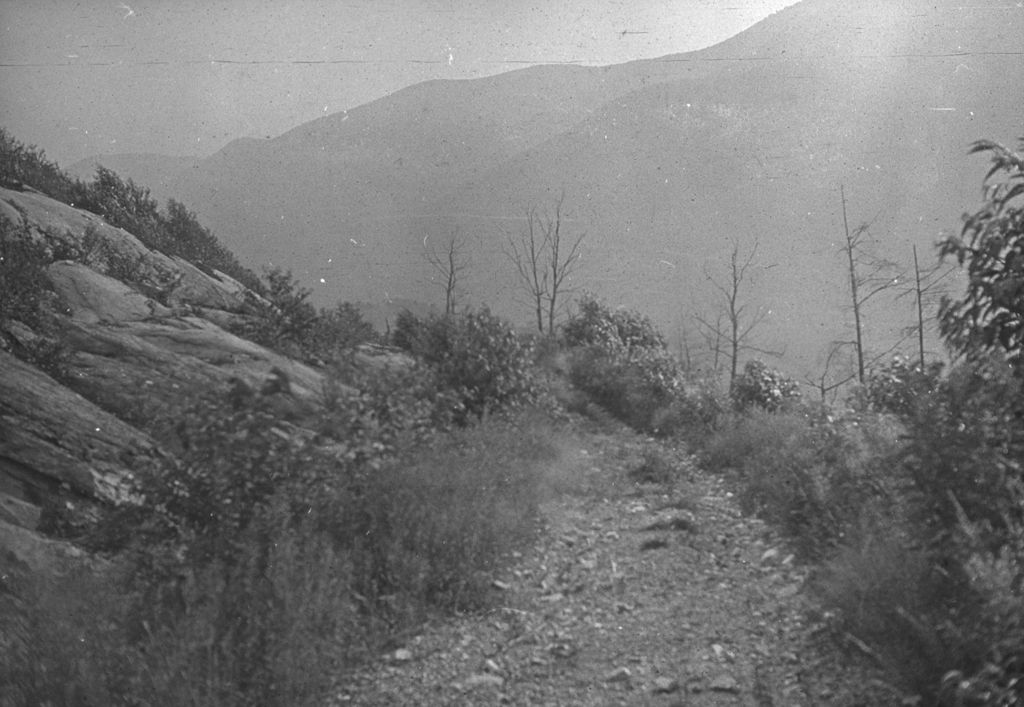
52, 437
93, 297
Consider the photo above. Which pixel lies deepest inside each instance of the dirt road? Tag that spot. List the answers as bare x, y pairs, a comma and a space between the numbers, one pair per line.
640, 591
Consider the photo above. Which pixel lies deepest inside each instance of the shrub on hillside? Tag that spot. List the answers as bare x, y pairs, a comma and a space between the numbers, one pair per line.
619, 359
763, 387
883, 593
595, 323
379, 413
698, 408
287, 318
186, 237
340, 328
995, 578
897, 386
289, 323
27, 165
814, 476
123, 203
263, 560
27, 298
475, 353
965, 450
23, 280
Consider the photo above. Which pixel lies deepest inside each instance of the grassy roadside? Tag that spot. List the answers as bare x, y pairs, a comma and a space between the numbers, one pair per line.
291, 604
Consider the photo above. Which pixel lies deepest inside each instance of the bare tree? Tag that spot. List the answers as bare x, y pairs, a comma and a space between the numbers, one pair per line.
928, 288
544, 259
737, 325
869, 275
450, 263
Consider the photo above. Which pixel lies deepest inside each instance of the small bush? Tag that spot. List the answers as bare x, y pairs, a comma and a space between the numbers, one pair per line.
338, 329
27, 165
897, 602
595, 323
186, 237
997, 579
23, 283
964, 453
476, 354
898, 386
763, 387
619, 359
290, 324
26, 298
695, 412
814, 477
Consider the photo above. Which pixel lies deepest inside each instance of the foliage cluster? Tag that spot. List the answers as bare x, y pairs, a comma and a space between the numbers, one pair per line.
263, 560
763, 387
289, 323
619, 359
896, 386
595, 324
175, 231
22, 165
815, 476
475, 354
22, 274
26, 298
988, 317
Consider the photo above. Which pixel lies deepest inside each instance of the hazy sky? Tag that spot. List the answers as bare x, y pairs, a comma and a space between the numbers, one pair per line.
184, 77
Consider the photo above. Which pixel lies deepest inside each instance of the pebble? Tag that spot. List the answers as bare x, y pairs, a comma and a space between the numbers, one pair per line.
402, 655
665, 685
724, 683
618, 675
484, 680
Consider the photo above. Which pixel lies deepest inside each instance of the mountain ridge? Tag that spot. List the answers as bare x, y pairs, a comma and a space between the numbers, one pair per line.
664, 160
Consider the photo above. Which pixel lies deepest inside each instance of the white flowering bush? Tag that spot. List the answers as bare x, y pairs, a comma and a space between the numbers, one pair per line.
763, 387
619, 359
897, 386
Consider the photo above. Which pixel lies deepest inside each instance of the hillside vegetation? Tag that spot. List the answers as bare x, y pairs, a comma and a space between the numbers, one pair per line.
294, 501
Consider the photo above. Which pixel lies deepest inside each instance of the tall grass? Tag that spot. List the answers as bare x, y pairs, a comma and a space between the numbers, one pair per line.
911, 524
814, 476
293, 605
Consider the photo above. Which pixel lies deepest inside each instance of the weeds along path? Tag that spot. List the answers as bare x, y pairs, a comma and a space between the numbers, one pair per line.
638, 592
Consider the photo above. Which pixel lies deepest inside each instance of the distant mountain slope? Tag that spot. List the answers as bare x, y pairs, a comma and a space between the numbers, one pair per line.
663, 163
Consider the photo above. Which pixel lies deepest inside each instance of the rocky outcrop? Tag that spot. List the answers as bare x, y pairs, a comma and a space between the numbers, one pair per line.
140, 334
52, 437
93, 297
